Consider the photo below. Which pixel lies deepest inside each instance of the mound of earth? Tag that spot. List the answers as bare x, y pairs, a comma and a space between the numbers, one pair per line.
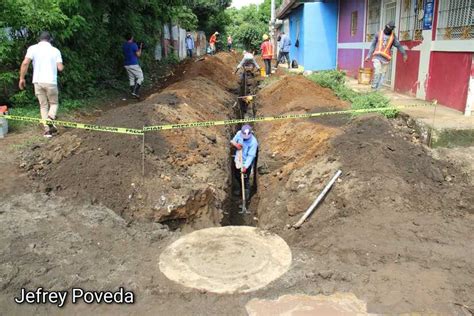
177, 178
294, 93
395, 227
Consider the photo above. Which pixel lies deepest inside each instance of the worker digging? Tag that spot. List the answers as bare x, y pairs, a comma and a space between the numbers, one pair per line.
281, 158
246, 154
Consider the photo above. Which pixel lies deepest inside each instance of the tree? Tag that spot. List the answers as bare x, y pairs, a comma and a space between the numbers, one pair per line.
249, 23
89, 34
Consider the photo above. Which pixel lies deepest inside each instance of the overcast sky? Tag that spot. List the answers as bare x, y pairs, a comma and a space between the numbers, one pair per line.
241, 3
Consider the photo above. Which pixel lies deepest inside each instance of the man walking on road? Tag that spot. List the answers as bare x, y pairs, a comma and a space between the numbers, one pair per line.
131, 52
285, 45
47, 61
381, 48
212, 42
267, 54
247, 145
189, 45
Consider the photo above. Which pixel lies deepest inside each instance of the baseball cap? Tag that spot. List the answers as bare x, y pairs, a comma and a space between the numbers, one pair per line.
246, 131
391, 24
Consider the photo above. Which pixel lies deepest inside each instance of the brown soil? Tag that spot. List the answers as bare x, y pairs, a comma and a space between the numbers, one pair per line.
395, 230
181, 180
293, 93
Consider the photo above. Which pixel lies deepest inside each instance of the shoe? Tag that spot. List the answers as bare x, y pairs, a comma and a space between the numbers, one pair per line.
48, 134
136, 88
52, 128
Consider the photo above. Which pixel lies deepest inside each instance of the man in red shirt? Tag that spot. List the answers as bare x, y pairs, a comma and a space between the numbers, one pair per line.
267, 54
212, 42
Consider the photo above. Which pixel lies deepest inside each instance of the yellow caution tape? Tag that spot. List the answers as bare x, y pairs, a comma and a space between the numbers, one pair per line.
131, 131
111, 129
260, 119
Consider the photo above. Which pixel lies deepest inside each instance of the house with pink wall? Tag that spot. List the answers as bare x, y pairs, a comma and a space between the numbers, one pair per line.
437, 34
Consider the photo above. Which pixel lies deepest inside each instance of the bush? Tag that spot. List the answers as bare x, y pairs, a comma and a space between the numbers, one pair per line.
335, 80
89, 35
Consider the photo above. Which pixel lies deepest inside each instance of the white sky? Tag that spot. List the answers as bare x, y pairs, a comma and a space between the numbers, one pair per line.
241, 3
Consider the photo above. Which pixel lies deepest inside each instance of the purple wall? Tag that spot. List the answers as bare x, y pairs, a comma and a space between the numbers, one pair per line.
349, 60
346, 7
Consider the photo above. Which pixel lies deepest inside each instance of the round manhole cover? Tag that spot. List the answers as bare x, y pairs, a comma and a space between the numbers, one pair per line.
226, 259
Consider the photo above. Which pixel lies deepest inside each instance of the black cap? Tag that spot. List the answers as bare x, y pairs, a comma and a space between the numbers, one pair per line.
391, 24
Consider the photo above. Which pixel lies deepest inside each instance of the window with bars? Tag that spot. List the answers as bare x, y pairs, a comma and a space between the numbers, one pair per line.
455, 19
411, 20
373, 19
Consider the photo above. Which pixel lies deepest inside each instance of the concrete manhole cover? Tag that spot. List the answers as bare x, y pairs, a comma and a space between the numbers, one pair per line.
226, 259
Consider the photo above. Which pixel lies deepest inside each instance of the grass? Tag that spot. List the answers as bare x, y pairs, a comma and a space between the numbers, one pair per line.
335, 80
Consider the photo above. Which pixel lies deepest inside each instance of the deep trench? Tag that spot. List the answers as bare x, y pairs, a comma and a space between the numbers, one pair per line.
232, 205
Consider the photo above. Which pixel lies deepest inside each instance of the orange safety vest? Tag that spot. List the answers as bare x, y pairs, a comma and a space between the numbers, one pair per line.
382, 50
267, 50
213, 39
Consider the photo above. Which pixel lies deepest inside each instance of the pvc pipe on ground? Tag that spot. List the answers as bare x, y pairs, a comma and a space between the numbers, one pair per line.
318, 199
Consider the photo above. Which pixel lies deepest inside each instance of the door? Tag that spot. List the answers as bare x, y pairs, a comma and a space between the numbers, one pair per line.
389, 13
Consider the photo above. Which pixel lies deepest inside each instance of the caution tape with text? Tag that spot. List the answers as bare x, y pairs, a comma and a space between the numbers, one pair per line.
131, 131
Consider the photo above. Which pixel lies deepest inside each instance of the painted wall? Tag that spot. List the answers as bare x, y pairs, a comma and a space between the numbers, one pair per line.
406, 76
296, 18
349, 61
320, 35
449, 76
345, 16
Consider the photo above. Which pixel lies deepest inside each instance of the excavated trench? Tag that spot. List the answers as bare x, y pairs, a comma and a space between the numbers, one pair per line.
181, 177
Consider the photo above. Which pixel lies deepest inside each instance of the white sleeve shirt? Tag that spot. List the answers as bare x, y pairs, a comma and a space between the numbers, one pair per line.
45, 58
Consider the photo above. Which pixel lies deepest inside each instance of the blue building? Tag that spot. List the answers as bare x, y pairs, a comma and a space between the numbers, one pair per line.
313, 29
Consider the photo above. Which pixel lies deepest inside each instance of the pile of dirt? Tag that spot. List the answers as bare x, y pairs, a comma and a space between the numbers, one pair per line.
182, 180
295, 93
395, 228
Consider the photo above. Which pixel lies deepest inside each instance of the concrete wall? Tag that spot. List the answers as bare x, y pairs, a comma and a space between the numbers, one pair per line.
351, 47
449, 77
406, 75
349, 61
297, 32
178, 45
345, 13
320, 25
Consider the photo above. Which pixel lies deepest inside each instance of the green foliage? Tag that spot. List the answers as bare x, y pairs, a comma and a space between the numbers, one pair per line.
249, 23
335, 80
89, 34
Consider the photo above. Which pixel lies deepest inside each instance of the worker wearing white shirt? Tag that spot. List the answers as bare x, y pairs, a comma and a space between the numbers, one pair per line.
47, 61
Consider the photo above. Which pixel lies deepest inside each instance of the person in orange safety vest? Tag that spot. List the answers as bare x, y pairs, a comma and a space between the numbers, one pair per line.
267, 54
381, 49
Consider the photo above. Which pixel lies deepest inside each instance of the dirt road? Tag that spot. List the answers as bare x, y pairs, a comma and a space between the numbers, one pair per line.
396, 230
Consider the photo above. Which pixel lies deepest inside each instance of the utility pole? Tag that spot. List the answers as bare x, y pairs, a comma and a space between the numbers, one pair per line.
272, 26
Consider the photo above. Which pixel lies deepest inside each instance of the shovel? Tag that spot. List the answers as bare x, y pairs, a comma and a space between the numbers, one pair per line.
240, 166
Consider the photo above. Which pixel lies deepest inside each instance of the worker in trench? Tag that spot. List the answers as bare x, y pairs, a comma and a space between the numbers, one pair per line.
381, 49
245, 160
249, 65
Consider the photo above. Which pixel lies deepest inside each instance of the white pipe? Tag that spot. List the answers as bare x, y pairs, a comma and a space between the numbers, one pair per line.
318, 199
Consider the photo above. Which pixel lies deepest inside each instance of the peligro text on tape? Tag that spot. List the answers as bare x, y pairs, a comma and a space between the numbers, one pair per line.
131, 131
260, 119
111, 129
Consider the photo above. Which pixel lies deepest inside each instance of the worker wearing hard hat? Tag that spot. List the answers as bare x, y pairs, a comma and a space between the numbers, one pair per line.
212, 42
267, 54
381, 53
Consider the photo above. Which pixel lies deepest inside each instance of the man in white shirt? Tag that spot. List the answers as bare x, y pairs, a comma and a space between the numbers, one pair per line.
47, 61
